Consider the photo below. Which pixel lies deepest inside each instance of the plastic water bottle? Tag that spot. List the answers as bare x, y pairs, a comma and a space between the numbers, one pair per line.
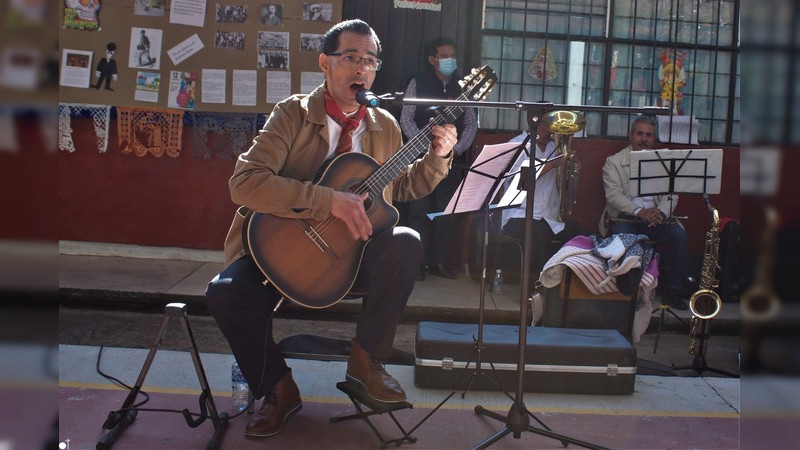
240, 392
497, 283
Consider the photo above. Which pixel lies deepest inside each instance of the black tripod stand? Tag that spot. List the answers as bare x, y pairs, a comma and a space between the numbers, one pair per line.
478, 188
700, 334
118, 421
517, 420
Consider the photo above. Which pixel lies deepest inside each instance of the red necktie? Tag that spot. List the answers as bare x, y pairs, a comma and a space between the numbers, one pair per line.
348, 124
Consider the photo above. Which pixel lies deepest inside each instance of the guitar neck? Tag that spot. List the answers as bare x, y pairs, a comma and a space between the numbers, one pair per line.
409, 152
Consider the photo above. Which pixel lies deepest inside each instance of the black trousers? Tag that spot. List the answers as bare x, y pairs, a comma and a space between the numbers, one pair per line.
435, 235
542, 237
242, 305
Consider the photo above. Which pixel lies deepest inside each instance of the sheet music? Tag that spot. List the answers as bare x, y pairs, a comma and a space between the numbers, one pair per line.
697, 171
678, 129
474, 189
514, 196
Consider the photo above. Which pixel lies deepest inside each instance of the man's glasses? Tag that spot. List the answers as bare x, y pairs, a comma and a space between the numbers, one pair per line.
353, 61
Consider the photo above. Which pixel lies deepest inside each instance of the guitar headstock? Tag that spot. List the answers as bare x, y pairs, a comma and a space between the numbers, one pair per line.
478, 83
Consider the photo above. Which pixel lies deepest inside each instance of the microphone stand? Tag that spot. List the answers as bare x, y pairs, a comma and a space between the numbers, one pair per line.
518, 417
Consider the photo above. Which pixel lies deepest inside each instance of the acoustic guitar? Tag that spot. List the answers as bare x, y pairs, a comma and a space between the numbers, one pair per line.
315, 263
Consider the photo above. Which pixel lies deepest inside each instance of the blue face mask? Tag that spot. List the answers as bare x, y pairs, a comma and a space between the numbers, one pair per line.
447, 66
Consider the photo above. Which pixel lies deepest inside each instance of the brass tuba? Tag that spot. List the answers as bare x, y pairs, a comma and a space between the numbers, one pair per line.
705, 304
564, 124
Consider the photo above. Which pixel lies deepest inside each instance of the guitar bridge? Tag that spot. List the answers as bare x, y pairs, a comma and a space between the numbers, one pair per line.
317, 239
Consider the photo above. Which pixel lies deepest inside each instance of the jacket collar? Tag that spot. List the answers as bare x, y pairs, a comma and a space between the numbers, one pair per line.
315, 110
626, 156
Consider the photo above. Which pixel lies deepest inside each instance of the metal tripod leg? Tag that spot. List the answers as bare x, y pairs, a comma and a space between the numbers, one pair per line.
663, 309
119, 420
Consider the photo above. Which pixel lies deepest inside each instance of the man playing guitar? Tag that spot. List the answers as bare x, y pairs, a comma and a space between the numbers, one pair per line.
274, 177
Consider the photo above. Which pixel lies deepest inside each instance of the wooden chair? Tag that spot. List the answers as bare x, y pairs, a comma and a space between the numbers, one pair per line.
576, 307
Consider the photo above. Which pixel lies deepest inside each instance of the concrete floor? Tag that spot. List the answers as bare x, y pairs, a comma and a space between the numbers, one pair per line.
117, 302
137, 330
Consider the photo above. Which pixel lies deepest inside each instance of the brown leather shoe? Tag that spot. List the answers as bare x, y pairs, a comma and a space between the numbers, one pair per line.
370, 374
278, 406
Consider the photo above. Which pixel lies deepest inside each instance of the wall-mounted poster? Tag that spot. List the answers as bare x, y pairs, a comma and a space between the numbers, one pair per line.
187, 12
312, 42
231, 13
26, 13
19, 68
318, 11
145, 48
147, 84
149, 8
229, 39
272, 14
81, 14
430, 5
182, 86
76, 68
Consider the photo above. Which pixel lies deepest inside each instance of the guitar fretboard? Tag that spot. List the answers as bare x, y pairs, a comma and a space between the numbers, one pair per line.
409, 152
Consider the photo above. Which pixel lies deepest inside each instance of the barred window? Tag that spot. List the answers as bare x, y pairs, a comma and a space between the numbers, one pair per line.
680, 54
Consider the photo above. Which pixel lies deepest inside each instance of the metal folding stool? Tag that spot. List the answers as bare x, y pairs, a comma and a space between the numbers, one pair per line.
361, 398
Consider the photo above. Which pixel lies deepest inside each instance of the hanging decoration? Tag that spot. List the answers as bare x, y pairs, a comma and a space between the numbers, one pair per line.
672, 78
150, 130
222, 135
543, 66
107, 68
101, 115
81, 14
430, 5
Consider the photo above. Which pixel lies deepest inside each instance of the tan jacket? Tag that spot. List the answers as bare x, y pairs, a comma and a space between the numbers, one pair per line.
616, 181
275, 175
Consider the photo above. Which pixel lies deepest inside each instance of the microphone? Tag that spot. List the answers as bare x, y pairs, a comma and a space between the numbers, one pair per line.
367, 98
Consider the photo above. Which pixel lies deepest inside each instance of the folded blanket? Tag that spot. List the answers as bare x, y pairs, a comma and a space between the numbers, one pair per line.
581, 255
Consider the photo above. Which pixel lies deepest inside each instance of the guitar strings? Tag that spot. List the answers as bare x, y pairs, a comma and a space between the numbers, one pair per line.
399, 160
396, 160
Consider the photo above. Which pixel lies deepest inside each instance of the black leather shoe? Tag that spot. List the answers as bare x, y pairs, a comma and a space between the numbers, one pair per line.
441, 271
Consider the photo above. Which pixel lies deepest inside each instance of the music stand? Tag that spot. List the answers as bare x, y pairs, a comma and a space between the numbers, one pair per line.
484, 179
517, 420
668, 172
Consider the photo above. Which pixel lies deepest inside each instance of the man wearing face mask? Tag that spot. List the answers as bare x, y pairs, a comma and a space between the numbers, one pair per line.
438, 81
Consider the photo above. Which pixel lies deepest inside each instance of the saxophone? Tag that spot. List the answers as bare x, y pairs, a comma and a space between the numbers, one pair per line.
760, 302
706, 304
563, 124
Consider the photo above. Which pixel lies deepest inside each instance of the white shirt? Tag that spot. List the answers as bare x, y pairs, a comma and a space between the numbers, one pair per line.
546, 200
643, 203
334, 130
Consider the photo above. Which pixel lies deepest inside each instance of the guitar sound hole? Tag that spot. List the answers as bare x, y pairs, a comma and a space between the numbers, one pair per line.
355, 188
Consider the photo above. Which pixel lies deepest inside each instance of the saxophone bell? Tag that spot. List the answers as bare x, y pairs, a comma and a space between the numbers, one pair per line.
705, 304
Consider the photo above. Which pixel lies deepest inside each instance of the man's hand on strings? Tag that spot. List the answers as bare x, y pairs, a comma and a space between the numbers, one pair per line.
349, 208
445, 138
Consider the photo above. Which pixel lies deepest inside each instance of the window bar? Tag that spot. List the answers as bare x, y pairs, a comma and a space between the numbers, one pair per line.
732, 72
546, 49
714, 80
609, 52
789, 107
674, 26
631, 61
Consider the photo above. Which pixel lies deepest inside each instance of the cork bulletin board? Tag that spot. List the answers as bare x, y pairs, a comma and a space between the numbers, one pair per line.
202, 55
